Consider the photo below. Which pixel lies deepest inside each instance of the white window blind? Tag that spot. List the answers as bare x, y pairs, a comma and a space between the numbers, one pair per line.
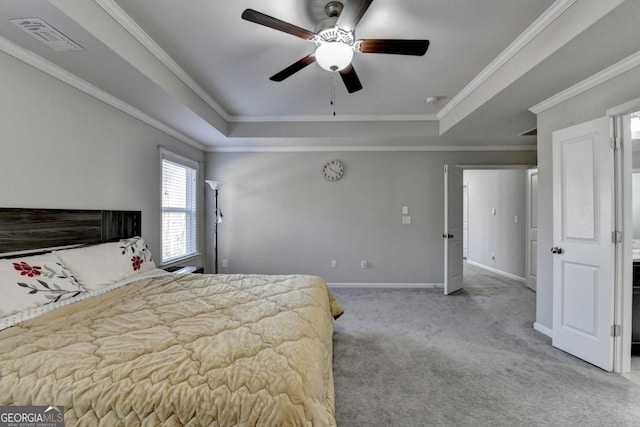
179, 178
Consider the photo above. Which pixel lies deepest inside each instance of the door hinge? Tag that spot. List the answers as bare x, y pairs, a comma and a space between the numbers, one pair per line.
616, 237
615, 143
616, 330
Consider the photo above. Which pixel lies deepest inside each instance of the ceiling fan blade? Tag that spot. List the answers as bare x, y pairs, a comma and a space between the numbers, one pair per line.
350, 79
271, 22
396, 47
352, 13
293, 68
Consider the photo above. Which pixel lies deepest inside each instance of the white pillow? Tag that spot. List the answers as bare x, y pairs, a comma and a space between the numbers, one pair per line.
29, 282
107, 263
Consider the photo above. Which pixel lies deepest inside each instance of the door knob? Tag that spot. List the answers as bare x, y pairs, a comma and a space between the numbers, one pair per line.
447, 236
557, 250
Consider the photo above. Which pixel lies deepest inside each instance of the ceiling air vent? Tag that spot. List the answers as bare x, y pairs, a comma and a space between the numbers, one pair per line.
530, 132
46, 34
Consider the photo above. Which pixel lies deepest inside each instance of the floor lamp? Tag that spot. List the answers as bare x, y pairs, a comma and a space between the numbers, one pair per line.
215, 186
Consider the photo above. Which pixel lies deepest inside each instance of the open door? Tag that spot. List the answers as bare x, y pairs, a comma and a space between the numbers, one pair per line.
531, 251
452, 235
583, 248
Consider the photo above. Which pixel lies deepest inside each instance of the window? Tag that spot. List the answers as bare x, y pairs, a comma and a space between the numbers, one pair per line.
179, 178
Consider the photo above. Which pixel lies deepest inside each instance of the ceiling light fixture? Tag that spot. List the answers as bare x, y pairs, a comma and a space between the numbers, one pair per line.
334, 56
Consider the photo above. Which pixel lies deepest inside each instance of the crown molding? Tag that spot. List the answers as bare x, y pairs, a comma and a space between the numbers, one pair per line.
603, 76
121, 17
539, 25
345, 118
65, 76
363, 148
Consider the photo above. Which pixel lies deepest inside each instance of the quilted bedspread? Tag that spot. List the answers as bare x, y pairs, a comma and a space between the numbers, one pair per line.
196, 350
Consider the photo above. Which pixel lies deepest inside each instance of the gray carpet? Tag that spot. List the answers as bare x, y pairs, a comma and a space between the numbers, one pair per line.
418, 358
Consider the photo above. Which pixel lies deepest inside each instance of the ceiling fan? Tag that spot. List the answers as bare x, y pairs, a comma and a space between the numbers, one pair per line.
335, 41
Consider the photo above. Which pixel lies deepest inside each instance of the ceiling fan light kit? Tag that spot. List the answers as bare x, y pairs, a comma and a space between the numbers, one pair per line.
335, 41
334, 56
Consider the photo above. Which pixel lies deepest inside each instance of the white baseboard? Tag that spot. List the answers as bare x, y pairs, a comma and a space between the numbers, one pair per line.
496, 271
543, 329
386, 285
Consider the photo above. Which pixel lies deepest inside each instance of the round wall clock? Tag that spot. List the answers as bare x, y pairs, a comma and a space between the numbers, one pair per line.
332, 170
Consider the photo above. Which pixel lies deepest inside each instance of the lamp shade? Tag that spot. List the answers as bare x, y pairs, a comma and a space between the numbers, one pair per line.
215, 185
334, 56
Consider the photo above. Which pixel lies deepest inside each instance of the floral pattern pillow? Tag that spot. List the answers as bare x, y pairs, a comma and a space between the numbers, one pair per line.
140, 253
107, 263
29, 282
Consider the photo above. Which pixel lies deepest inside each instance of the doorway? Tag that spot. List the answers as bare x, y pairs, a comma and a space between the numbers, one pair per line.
496, 220
508, 207
629, 127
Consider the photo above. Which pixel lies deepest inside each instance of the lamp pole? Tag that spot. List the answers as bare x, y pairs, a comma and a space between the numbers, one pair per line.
217, 217
215, 231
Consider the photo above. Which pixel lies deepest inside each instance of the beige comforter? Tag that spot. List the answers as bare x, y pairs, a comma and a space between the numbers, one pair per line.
208, 350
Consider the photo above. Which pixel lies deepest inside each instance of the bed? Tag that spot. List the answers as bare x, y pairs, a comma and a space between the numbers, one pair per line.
156, 348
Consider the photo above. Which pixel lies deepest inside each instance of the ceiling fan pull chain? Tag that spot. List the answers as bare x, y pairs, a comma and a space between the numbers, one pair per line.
333, 94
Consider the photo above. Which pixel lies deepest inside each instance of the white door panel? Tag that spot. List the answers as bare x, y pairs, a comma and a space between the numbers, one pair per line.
583, 265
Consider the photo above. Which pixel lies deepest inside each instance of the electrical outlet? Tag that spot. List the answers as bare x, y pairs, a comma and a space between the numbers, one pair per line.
334, 263
493, 256
364, 264
225, 263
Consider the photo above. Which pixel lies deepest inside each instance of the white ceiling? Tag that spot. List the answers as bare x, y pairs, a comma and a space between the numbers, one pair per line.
198, 71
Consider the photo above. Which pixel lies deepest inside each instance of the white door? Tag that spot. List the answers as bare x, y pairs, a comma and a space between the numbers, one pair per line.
452, 235
583, 260
465, 220
531, 251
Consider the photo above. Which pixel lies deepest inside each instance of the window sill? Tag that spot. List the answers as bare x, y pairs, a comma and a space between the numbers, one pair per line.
180, 261
185, 269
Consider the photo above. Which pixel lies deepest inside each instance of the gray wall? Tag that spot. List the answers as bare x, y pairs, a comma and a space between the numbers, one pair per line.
587, 106
61, 148
283, 217
504, 191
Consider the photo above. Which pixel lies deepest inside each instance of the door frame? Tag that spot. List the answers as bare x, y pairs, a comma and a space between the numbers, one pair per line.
465, 167
621, 134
